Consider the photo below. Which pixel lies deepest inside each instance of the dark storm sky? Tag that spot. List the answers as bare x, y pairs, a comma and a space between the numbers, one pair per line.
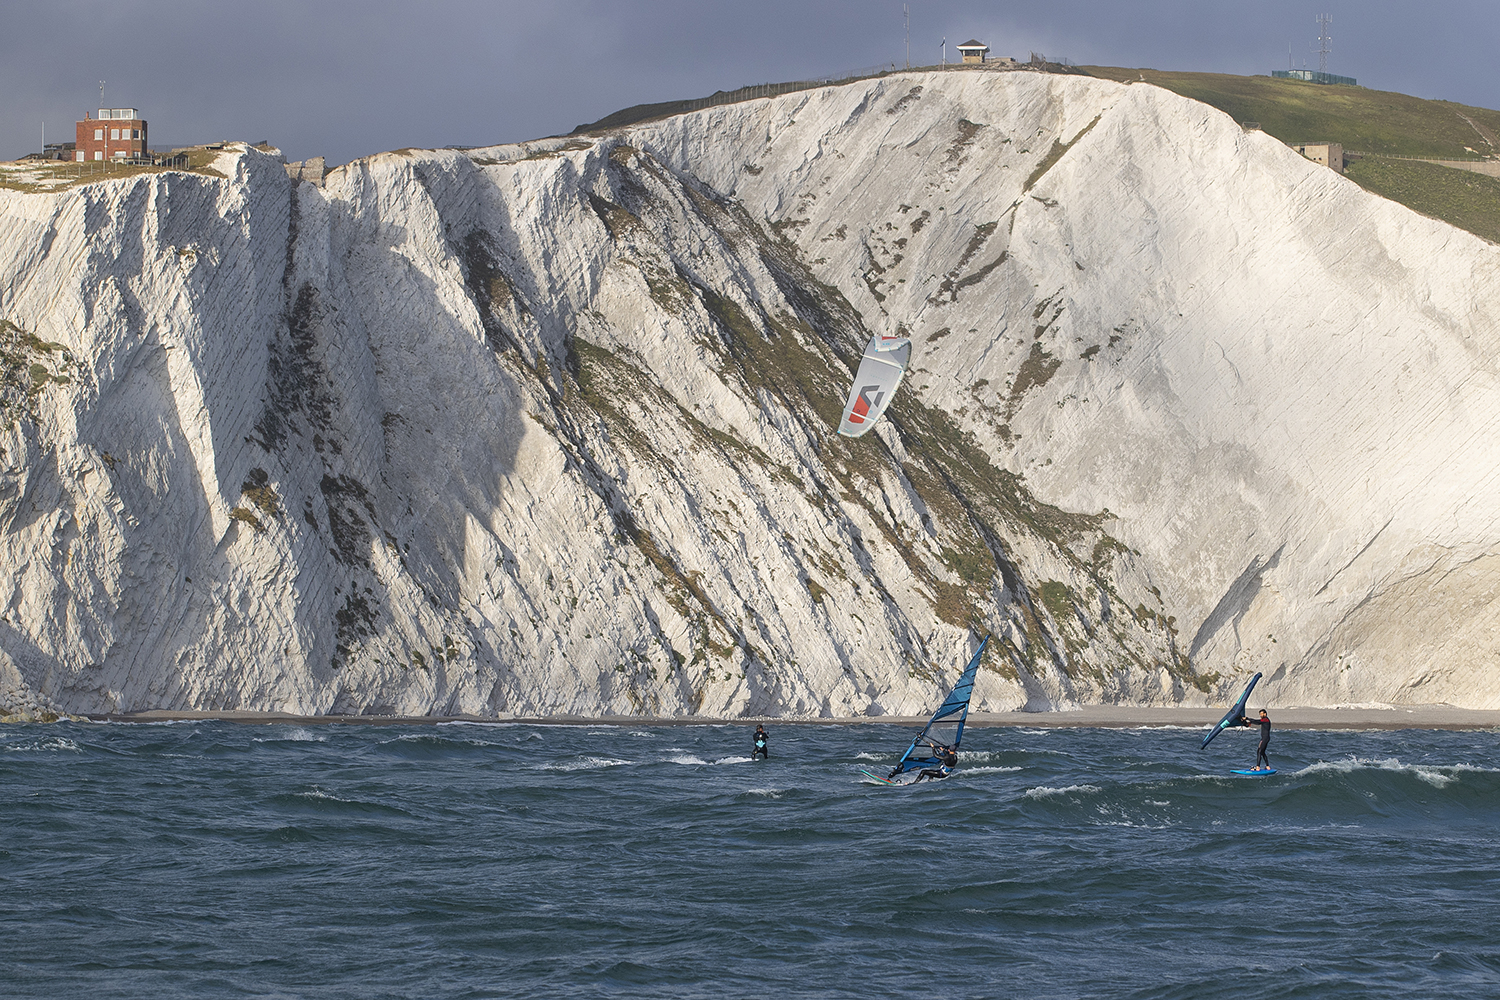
345, 78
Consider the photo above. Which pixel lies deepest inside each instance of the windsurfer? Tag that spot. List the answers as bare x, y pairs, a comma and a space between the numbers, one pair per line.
759, 740
1262, 762
947, 759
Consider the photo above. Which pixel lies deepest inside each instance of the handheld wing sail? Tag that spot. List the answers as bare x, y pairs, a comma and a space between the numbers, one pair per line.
946, 727
1233, 716
880, 372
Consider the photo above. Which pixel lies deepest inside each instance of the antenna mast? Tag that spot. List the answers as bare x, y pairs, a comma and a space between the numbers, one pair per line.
1325, 41
906, 25
101, 93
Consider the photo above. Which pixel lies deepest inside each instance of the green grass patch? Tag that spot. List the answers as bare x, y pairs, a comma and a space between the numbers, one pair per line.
1057, 598
1460, 198
28, 365
1295, 111
1379, 122
247, 516
1056, 153
40, 176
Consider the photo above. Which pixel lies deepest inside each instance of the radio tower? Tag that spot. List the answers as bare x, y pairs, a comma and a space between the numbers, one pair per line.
1325, 41
906, 25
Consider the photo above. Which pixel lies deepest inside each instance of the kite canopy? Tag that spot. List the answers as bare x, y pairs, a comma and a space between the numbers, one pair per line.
880, 372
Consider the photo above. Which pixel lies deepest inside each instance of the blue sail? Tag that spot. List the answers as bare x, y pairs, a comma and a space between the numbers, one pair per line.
946, 727
1233, 716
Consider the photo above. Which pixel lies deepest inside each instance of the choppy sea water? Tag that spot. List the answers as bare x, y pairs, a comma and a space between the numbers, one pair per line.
223, 860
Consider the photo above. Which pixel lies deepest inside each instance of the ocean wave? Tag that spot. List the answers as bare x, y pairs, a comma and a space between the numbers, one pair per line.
586, 764
1045, 792
438, 740
48, 744
767, 793
295, 736
686, 758
996, 769
990, 756
1438, 776
862, 755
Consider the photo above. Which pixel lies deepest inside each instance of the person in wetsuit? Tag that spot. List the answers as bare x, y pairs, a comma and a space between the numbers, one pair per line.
947, 761
1262, 762
759, 740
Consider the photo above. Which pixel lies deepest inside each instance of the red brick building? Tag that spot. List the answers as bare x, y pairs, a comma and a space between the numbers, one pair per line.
117, 134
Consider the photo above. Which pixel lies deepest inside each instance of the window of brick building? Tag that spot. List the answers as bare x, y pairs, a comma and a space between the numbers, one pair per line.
98, 133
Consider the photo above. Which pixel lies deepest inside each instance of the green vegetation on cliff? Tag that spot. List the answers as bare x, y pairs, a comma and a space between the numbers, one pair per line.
1384, 130
1378, 122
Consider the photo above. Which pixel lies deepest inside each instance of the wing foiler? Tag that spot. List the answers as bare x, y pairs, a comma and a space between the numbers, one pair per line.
880, 372
1233, 716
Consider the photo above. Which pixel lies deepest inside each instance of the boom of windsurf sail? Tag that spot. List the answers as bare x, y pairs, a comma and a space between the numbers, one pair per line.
946, 727
1233, 716
880, 372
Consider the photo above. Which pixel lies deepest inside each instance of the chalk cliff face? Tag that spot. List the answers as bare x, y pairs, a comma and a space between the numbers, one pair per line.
548, 428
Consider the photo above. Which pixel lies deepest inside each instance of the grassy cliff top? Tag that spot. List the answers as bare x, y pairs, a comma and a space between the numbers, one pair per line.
1368, 121
1382, 125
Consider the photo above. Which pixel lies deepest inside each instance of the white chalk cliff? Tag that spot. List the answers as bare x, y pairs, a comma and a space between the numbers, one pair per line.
548, 428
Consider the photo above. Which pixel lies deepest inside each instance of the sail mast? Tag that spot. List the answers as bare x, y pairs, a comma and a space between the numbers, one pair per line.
946, 727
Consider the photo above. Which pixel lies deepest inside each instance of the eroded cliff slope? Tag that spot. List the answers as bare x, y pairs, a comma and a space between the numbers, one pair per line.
549, 428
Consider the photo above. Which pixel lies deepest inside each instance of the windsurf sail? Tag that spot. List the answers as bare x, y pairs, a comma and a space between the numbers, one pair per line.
946, 727
1233, 716
880, 372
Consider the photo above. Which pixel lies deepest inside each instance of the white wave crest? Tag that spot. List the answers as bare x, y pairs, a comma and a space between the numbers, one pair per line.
1439, 776
988, 770
295, 736
585, 764
769, 793
317, 793
48, 744
1044, 792
686, 758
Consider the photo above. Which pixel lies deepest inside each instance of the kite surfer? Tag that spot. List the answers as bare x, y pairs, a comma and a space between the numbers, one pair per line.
759, 739
1262, 762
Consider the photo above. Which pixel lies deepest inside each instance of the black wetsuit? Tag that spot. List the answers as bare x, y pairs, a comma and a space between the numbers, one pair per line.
947, 761
760, 746
1261, 760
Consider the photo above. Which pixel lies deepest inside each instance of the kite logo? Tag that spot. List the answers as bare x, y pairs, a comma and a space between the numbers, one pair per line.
864, 404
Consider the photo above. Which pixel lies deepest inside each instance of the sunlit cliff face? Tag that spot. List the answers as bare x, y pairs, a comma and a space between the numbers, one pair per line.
548, 429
